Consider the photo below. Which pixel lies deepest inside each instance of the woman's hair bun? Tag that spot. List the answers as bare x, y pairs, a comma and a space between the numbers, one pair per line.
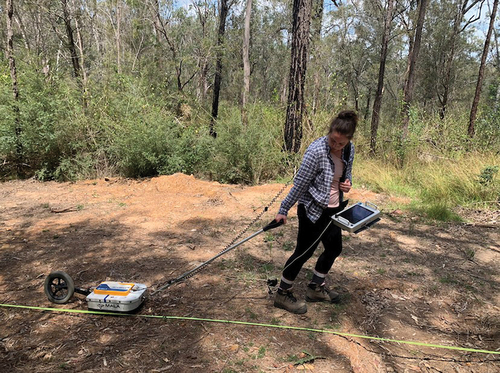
347, 114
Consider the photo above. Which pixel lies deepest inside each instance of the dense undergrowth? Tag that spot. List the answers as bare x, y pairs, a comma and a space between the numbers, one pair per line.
126, 128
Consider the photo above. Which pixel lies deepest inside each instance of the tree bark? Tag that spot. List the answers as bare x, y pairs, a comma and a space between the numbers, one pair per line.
15, 89
475, 103
412, 62
246, 63
223, 11
298, 68
377, 104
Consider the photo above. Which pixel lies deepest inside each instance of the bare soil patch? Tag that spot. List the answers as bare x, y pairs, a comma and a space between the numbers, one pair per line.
404, 279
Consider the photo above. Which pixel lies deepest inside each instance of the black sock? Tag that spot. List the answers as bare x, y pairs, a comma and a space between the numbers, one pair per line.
285, 285
317, 280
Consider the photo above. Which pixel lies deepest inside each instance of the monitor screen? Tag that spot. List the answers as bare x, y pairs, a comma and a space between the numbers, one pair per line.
355, 214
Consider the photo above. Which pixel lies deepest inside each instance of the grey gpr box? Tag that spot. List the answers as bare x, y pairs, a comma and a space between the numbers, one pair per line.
357, 217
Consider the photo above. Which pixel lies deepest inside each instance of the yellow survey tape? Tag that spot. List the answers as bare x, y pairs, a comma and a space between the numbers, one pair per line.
235, 322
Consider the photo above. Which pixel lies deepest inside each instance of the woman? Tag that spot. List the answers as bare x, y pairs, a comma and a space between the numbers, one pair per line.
323, 177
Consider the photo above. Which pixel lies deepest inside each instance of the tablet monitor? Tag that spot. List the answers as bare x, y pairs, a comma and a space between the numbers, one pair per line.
357, 217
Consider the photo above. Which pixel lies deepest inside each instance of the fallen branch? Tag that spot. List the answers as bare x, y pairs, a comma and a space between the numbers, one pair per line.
67, 209
481, 225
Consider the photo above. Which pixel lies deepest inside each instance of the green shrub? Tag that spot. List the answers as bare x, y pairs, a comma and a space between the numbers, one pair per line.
157, 144
487, 175
247, 154
44, 122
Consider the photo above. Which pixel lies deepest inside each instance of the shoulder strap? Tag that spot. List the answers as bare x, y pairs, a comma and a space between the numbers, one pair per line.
346, 154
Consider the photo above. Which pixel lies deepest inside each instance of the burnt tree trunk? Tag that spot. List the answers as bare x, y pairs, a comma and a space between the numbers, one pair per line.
297, 77
223, 11
15, 89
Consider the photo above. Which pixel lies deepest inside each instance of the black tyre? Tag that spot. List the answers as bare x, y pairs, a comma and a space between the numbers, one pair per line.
59, 287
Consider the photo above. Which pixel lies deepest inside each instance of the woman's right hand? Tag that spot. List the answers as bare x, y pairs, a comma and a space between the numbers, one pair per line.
280, 217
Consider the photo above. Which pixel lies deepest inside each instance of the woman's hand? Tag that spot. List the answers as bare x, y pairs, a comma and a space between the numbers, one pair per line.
280, 217
345, 186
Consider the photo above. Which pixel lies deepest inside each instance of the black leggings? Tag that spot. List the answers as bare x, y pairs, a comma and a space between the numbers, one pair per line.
307, 242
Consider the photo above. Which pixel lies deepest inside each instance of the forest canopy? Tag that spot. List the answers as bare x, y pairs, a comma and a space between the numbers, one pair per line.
141, 88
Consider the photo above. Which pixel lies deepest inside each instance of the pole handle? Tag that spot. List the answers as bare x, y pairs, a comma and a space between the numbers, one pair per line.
272, 225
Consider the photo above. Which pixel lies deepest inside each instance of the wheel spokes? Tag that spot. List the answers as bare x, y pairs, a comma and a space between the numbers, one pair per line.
59, 288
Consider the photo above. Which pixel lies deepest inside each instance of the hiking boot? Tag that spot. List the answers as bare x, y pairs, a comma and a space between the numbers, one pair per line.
320, 293
284, 299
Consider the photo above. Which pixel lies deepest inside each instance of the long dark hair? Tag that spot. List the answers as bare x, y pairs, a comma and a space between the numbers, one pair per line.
344, 123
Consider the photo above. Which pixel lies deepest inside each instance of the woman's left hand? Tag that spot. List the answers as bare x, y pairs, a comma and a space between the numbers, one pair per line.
345, 186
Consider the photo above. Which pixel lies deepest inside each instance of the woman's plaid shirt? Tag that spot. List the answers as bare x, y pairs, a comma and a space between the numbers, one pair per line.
311, 186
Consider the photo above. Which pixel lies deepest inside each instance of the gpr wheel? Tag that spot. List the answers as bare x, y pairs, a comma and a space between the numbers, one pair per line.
59, 287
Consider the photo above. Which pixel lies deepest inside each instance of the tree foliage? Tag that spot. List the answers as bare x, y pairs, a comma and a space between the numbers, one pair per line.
125, 86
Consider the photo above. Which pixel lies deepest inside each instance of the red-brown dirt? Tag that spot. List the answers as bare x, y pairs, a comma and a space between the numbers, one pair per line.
403, 279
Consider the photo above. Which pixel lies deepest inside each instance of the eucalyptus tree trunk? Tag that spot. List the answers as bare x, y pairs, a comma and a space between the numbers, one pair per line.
297, 77
15, 90
480, 78
223, 11
412, 62
246, 63
377, 104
